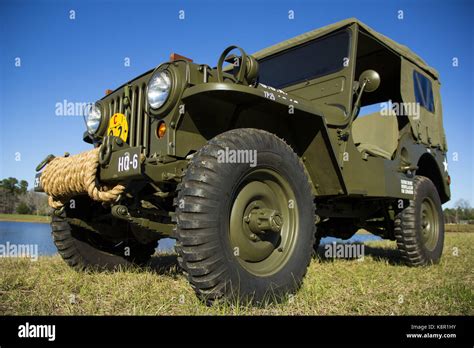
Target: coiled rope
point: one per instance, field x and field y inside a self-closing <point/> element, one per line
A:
<point x="65" y="177"/>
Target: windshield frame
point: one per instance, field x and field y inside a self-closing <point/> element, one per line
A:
<point x="310" y="47"/>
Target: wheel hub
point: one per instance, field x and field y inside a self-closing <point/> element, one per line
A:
<point x="263" y="220"/>
<point x="263" y="223"/>
<point x="429" y="225"/>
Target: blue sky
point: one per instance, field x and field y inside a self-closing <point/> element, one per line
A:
<point x="77" y="60"/>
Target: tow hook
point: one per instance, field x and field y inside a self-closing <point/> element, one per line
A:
<point x="105" y="151"/>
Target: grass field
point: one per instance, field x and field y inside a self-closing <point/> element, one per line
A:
<point x="24" y="218"/>
<point x="378" y="284"/>
<point x="458" y="228"/>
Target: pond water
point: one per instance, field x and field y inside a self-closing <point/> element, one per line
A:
<point x="40" y="235"/>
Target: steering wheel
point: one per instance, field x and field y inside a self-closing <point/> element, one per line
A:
<point x="240" y="76"/>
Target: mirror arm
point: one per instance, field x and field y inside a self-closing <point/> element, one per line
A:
<point x="356" y="108"/>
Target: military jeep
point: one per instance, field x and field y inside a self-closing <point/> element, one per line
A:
<point x="247" y="165"/>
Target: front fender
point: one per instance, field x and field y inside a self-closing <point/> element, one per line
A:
<point x="213" y="108"/>
<point x="241" y="94"/>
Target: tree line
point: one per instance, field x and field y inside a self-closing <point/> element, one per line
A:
<point x="461" y="213"/>
<point x="16" y="198"/>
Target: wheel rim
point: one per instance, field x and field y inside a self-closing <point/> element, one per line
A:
<point x="263" y="222"/>
<point x="429" y="224"/>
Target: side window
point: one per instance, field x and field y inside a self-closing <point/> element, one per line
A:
<point x="423" y="91"/>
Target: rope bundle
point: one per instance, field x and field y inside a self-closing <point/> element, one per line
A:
<point x="65" y="177"/>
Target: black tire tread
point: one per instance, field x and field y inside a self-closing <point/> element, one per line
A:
<point x="198" y="256"/>
<point x="72" y="252"/>
<point x="405" y="229"/>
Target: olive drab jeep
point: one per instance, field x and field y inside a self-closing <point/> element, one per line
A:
<point x="247" y="165"/>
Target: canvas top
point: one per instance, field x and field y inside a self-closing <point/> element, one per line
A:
<point x="402" y="50"/>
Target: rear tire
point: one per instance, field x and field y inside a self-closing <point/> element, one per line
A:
<point x="82" y="249"/>
<point x="419" y="228"/>
<point x="222" y="259"/>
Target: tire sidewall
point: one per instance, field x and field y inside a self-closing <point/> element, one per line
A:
<point x="426" y="189"/>
<point x="290" y="274"/>
<point x="82" y="253"/>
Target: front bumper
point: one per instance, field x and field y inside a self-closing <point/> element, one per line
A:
<point x="122" y="164"/>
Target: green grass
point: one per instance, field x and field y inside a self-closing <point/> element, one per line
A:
<point x="378" y="285"/>
<point x="24" y="218"/>
<point x="458" y="228"/>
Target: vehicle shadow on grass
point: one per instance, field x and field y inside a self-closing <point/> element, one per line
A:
<point x="164" y="265"/>
<point x="160" y="264"/>
<point x="382" y="254"/>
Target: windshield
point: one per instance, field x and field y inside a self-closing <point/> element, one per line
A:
<point x="306" y="62"/>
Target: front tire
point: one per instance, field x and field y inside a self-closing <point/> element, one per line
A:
<point x="419" y="228"/>
<point x="221" y="246"/>
<point x="82" y="249"/>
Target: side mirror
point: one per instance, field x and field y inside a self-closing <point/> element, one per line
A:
<point x="371" y="80"/>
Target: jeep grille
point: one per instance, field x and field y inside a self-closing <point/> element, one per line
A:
<point x="136" y="113"/>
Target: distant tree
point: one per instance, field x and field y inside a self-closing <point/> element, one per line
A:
<point x="23" y="208"/>
<point x="462" y="204"/>
<point x="5" y="202"/>
<point x="10" y="185"/>
<point x="461" y="210"/>
<point x="38" y="202"/>
<point x="23" y="186"/>
<point x="11" y="189"/>
<point x="449" y="216"/>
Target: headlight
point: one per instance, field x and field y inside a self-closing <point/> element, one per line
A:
<point x="159" y="89"/>
<point x="92" y="116"/>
